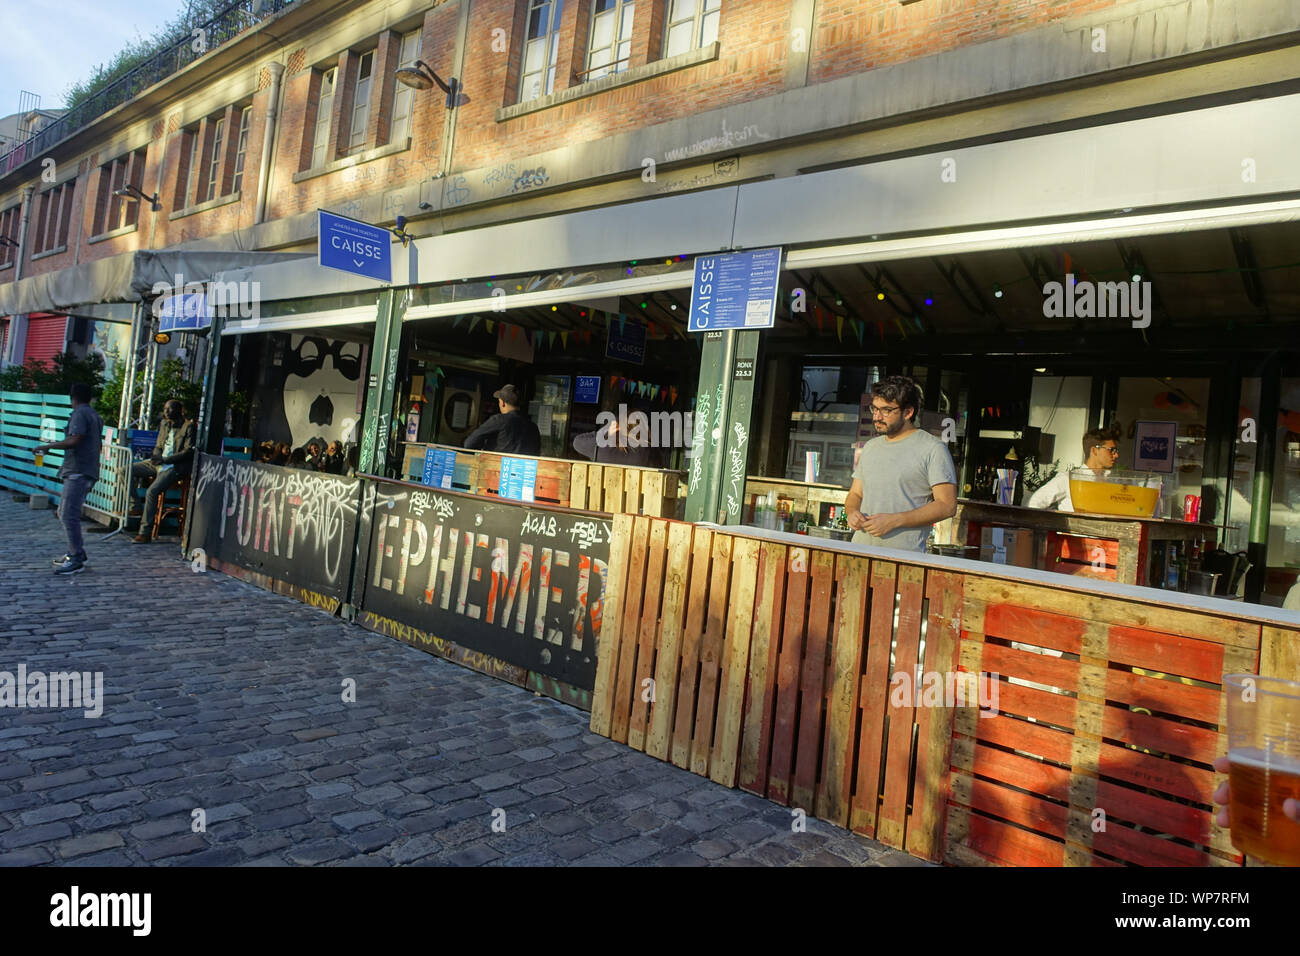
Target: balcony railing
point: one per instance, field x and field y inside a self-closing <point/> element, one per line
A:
<point x="231" y="21"/>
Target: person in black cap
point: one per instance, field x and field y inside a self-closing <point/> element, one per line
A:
<point x="513" y="431"/>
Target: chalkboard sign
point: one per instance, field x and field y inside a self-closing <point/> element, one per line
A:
<point x="294" y="525"/>
<point x="524" y="585"/>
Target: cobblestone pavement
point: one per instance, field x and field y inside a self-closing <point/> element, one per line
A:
<point x="222" y="697"/>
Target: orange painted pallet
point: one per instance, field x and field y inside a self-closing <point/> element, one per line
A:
<point x="787" y="683"/>
<point x="874" y="698"/>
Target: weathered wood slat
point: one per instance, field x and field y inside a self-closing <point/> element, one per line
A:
<point x="735" y="662"/>
<point x="852" y="576"/>
<point x="643" y="686"/>
<point x="711" y="656"/>
<point x="874" y="698"/>
<point x="623" y="685"/>
<point x="791" y="661"/>
<point x="674" y="610"/>
<point x="696" y="615"/>
<point x="812" y="682"/>
<point x="760" y="698"/>
<point x="602" y="695"/>
<point x="890" y="828"/>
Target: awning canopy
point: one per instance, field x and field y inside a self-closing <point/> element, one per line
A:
<point x="128" y="277"/>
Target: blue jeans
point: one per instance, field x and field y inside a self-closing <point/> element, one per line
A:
<point x="166" y="478"/>
<point x="70" y="502"/>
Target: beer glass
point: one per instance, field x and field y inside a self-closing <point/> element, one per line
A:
<point x="1264" y="765"/>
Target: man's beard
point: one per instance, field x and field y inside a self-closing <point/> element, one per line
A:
<point x="889" y="431"/>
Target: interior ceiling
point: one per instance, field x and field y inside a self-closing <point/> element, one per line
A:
<point x="1225" y="280"/>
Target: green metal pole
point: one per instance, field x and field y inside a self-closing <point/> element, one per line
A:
<point x="1261" y="496"/>
<point x="735" y="438"/>
<point x="705" y="471"/>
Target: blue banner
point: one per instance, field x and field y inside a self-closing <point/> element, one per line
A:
<point x="185" y="312"/>
<point x="586" y="389"/>
<point x="735" y="290"/>
<point x="518" y="480"/>
<point x="439" y="467"/>
<point x="356" y="247"/>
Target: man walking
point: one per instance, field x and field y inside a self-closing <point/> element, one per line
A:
<point x="173" y="456"/>
<point x="905" y="480"/>
<point x="513" y="431"/>
<point x="79" y="471"/>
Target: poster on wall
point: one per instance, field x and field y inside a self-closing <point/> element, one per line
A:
<point x="313" y="392"/>
<point x="523" y="585"/>
<point x="296" y="526"/>
<point x="1153" y="446"/>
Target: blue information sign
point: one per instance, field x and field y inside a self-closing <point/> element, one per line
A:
<point x="185" y="312"/>
<point x="626" y="341"/>
<point x="735" y="290"/>
<point x="518" y="479"/>
<point x="355" y="247"/>
<point x="143" y="442"/>
<point x="439" y="467"/>
<point x="586" y="389"/>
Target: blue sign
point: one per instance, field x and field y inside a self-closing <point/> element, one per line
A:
<point x="355" y="247"/>
<point x="626" y="341"/>
<point x="586" y="389"/>
<point x="143" y="442"/>
<point x="185" y="312"/>
<point x="735" y="290"/>
<point x="518" y="480"/>
<point x="439" y="467"/>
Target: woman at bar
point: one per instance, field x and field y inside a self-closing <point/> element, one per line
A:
<point x="1100" y="452"/>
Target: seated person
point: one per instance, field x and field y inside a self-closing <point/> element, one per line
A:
<point x="1100" y="452"/>
<point x="282" y="453"/>
<point x="510" y="431"/>
<point x="612" y="446"/>
<point x="333" y="460"/>
<point x="298" y="459"/>
<point x="266" y="452"/>
<point x="314" y="455"/>
<point x="172" y="459"/>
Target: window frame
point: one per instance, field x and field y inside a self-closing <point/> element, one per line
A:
<point x="324" y="118"/>
<point x="555" y="16"/>
<point x="241" y="149"/>
<point x="404" y="94"/>
<point x="359" y="122"/>
<point x="697" y="18"/>
<point x="53" y="224"/>
<point x="213" y="160"/>
<point x="624" y="12"/>
<point x="9" y="220"/>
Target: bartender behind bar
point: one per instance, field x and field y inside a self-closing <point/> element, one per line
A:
<point x="1100" y="452"/>
<point x="905" y="480"/>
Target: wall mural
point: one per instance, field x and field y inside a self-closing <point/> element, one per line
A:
<point x="297" y="526"/>
<point x="524" y="585"/>
<point x="313" y="391"/>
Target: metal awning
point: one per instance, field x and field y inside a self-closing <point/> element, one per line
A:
<point x="128" y="277"/>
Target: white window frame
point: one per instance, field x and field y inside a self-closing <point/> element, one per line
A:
<point x="404" y="97"/>
<point x="361" y="102"/>
<point x="241" y="152"/>
<point x="617" y="52"/>
<point x="324" y="109"/>
<point x="540" y="81"/>
<point x="703" y="20"/>
<point x="214" y="158"/>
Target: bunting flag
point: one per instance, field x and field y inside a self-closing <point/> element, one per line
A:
<point x="880" y="330"/>
<point x="858" y="326"/>
<point x="901" y="329"/>
<point x="919" y="324"/>
<point x="613" y="381"/>
<point x="552" y="335"/>
<point x="489" y="323"/>
<point x="456" y="321"/>
<point x="514" y="331"/>
<point x="839" y="327"/>
<point x="673" y="392"/>
<point x="564" y="338"/>
<point x="474" y="322"/>
<point x="622" y="324"/>
<point x="438" y="373"/>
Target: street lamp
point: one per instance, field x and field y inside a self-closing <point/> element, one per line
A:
<point x="134" y="193"/>
<point x="421" y="77"/>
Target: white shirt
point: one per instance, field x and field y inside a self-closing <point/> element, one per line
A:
<point x="1054" y="494"/>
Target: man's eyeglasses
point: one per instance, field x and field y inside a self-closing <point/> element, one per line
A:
<point x="878" y="411"/>
<point x="1108" y="448"/>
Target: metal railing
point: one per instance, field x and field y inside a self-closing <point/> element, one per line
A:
<point x="223" y="27"/>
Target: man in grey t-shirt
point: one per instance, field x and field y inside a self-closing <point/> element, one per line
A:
<point x="79" y="471"/>
<point x="905" y="480"/>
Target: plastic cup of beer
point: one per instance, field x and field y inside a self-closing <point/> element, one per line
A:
<point x="40" y="459"/>
<point x="1264" y="765"/>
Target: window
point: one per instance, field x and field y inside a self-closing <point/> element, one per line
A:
<point x="114" y="212"/>
<point x="187" y="176"/>
<point x="214" y="158"/>
<point x="53" y="217"/>
<point x="9" y="229"/>
<point x="324" y="107"/>
<point x="691" y="25"/>
<point x="404" y="99"/>
<point x="245" y="121"/>
<point x="611" y="37"/>
<point x="541" y="47"/>
<point x="361" y="102"/>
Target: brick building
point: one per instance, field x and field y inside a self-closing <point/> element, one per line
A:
<point x="927" y="166"/>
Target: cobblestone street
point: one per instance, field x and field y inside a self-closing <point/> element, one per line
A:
<point x="222" y="697"/>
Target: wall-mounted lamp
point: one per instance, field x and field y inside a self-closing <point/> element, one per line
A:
<point x="421" y="77"/>
<point x="134" y="193"/>
<point x="162" y="338"/>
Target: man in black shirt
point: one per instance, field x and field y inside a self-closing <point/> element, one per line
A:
<point x="513" y="432"/>
<point x="79" y="472"/>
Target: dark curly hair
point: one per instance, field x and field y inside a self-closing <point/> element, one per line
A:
<point x="900" y="390"/>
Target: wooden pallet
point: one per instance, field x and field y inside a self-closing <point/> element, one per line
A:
<point x="1100" y="751"/>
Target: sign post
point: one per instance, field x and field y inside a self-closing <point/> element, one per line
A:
<point x="733" y="295"/>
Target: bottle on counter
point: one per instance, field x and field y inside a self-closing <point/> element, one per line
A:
<point x="1171" y="566"/>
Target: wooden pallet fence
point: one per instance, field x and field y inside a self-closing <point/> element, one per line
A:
<point x="1108" y="718"/>
<point x="767" y="666"/>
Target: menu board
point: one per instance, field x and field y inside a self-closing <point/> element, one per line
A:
<point x="518" y="480"/>
<point x="735" y="291"/>
<point x="439" y="467"/>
